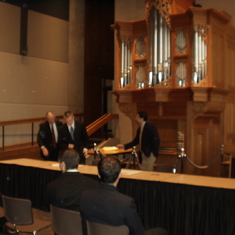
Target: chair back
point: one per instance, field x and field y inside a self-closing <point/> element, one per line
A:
<point x="164" y="168"/>
<point x="17" y="211"/>
<point x="65" y="222"/>
<point x="103" y="229"/>
<point x="95" y="162"/>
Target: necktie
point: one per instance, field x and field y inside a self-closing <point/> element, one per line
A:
<point x="72" y="132"/>
<point x="53" y="136"/>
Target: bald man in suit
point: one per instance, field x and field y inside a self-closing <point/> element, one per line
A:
<point x="47" y="137"/>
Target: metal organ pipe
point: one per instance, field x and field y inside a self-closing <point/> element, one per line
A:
<point x="155" y="46"/>
<point x="165" y="64"/>
<point x="159" y="48"/>
<point x="122" y="66"/>
<point x="195" y="78"/>
<point x="200" y="55"/>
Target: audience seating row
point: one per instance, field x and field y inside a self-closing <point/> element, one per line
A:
<point x="19" y="216"/>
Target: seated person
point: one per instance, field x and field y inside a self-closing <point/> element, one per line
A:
<point x="65" y="191"/>
<point x="105" y="205"/>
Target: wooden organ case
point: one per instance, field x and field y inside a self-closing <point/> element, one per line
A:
<point x="178" y="64"/>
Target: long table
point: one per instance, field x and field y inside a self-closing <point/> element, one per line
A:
<point x="183" y="204"/>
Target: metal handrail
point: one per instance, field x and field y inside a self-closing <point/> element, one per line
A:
<point x="29" y="120"/>
<point x="94" y="126"/>
<point x="91" y="128"/>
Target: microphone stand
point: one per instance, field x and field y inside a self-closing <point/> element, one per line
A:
<point x="180" y="159"/>
<point x="97" y="153"/>
<point x="134" y="157"/>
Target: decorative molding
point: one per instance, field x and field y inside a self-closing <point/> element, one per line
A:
<point x="165" y="83"/>
<point x="127" y="87"/>
<point x="142" y="49"/>
<point x="163" y="6"/>
<point x="202" y="30"/>
<point x="128" y="40"/>
<point x="202" y="83"/>
<point x="199" y="108"/>
<point x="129" y="109"/>
<point x="181" y="41"/>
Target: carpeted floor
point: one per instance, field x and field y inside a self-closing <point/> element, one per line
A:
<point x="37" y="214"/>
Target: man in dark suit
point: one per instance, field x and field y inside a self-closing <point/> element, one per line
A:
<point x="148" y="139"/>
<point x="73" y="135"/>
<point x="105" y="205"/>
<point x="65" y="191"/>
<point x="47" y="137"/>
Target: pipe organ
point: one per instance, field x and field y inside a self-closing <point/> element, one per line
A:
<point x="176" y="64"/>
<point x="199" y="54"/>
<point x="159" y="48"/>
<point x="126" y="62"/>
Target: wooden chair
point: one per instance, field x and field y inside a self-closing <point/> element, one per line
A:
<point x="95" y="162"/>
<point x="164" y="168"/>
<point x="65" y="222"/>
<point x="19" y="216"/>
<point x="103" y="229"/>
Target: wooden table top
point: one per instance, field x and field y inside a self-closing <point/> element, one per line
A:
<point x="111" y="151"/>
<point x="207" y="181"/>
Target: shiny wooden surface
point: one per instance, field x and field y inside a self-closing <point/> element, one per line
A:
<point x="111" y="151"/>
<point x="205" y="181"/>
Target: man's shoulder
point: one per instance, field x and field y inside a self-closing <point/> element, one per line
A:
<point x="78" y="124"/>
<point x="44" y="124"/>
<point x="124" y="197"/>
<point x="88" y="179"/>
<point x="80" y="178"/>
<point x="74" y="176"/>
<point x="58" y="123"/>
<point x="63" y="127"/>
<point x="54" y="183"/>
<point x="108" y="190"/>
<point x="150" y="126"/>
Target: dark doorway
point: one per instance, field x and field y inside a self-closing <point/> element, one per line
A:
<point x="99" y="57"/>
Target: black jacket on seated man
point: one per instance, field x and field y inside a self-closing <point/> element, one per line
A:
<point x="105" y="205"/>
<point x="65" y="191"/>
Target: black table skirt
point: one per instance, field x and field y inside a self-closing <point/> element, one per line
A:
<point x="181" y="209"/>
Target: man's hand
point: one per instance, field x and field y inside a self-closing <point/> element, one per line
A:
<point x="120" y="146"/>
<point x="71" y="146"/>
<point x="85" y="151"/>
<point x="45" y="151"/>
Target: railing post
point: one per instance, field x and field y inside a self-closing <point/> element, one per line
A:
<point x="32" y="132"/>
<point x="3" y="138"/>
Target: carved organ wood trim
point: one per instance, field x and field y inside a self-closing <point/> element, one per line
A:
<point x="178" y="65"/>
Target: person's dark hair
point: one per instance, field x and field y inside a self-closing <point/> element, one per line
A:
<point x="109" y="169"/>
<point x="71" y="158"/>
<point x="143" y="115"/>
<point x="67" y="114"/>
